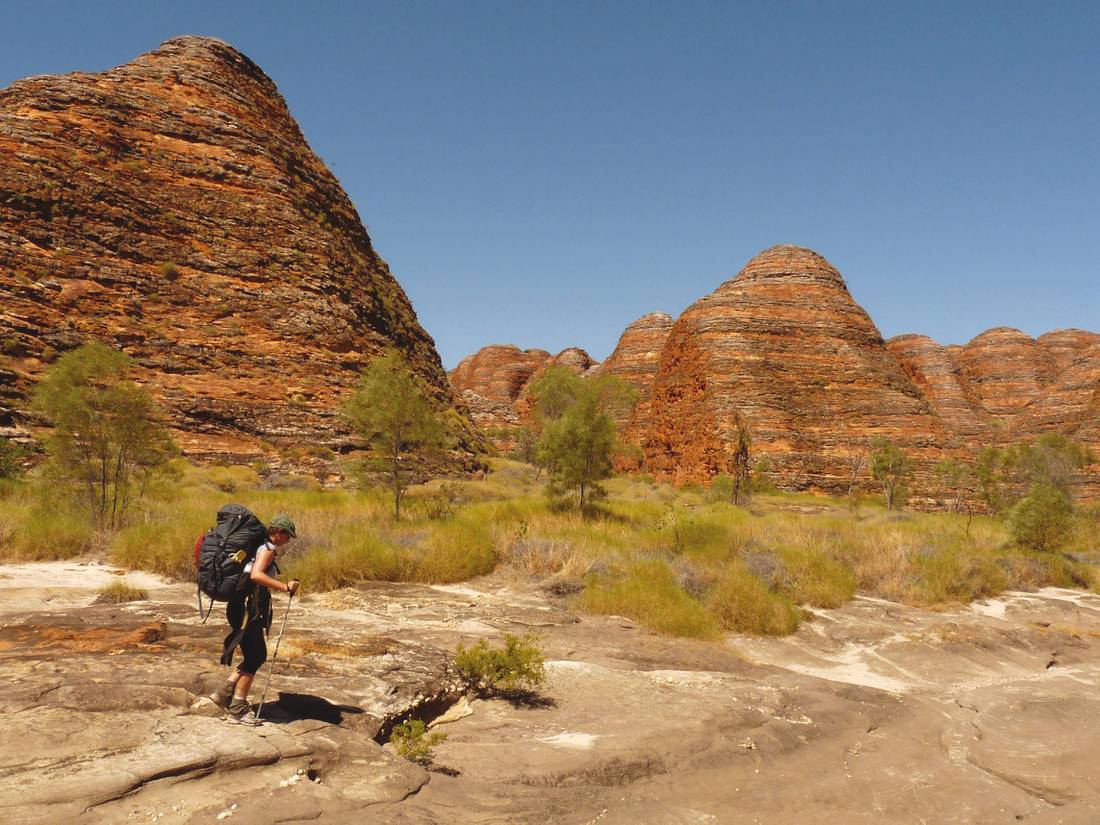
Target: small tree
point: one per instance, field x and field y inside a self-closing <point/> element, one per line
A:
<point x="525" y="449"/>
<point x="855" y="454"/>
<point x="1052" y="459"/>
<point x="578" y="437"/>
<point x="108" y="438"/>
<point x="391" y="410"/>
<point x="951" y="476"/>
<point x="412" y="741"/>
<point x="739" y="460"/>
<point x="519" y="665"/>
<point x="890" y="468"/>
<point x="1044" y="519"/>
<point x="995" y="470"/>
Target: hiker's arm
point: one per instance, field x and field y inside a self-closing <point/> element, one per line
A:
<point x="259" y="573"/>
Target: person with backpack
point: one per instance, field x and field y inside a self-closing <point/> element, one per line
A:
<point x="248" y="611"/>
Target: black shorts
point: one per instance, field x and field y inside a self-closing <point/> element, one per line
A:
<point x="246" y="632"/>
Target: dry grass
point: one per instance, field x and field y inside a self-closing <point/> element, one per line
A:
<point x="33" y="527"/>
<point x="675" y="560"/>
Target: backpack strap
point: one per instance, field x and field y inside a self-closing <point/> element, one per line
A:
<point x="198" y="595"/>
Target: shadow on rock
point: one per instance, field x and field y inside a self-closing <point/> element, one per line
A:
<point x="292" y="706"/>
<point x="519" y="698"/>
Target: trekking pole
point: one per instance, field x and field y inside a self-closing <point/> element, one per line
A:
<point x="274" y="656"/>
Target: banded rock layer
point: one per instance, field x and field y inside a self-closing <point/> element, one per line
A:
<point x="172" y="208"/>
<point x="490" y="381"/>
<point x="493" y="384"/>
<point x="784" y="345"/>
<point x="638" y="353"/>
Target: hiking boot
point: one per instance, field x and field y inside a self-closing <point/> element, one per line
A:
<point x="222" y="697"/>
<point x="240" y="712"/>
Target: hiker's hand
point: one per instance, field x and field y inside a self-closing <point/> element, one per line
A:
<point x="292" y="586"/>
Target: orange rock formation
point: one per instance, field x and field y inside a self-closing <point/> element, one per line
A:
<point x="493" y="384"/>
<point x="784" y="345"/>
<point x="172" y="208"/>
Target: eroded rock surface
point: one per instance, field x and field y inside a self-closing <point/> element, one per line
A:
<point x="172" y="208"/>
<point x="108" y="705"/>
<point x="871" y="713"/>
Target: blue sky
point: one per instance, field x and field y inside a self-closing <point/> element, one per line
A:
<point x="543" y="173"/>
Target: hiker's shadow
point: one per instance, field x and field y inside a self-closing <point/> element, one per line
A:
<point x="290" y="707"/>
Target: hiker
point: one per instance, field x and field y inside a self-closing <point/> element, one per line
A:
<point x="249" y="615"/>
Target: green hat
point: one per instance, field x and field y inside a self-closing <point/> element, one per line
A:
<point x="283" y="522"/>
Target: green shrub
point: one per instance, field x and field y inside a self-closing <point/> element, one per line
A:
<point x="169" y="270"/>
<point x="721" y="489"/>
<point x="11" y="454"/>
<point x="744" y="604"/>
<point x="1044" y="519"/>
<point x="120" y="591"/>
<point x="233" y="478"/>
<point x="649" y="593"/>
<point x="411" y="741"/>
<point x="519" y="665"/>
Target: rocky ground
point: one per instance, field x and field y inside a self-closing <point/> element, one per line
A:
<point x="873" y="713"/>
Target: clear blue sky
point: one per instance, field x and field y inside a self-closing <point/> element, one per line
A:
<point x="542" y="173"/>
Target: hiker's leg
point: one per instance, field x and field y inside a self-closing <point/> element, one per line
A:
<point x="243" y="685"/>
<point x="254" y="648"/>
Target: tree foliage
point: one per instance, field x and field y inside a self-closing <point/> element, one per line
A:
<point x="578" y="432"/>
<point x="391" y="410"/>
<point x="412" y="741"/>
<point x="108" y="438"/>
<point x="951" y="478"/>
<point x="1006" y="474"/>
<point x="1044" y="518"/>
<point x="890" y="468"/>
<point x="526" y="448"/>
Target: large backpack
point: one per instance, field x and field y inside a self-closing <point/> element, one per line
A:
<point x="226" y="550"/>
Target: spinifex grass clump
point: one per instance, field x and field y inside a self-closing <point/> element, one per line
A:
<point x="647" y="590"/>
<point x="35" y="528"/>
<point x="519" y="665"/>
<point x="120" y="591"/>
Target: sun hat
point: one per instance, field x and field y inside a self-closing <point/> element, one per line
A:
<point x="284" y="522"/>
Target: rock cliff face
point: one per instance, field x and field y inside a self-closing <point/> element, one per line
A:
<point x="493" y="384"/>
<point x="638" y="353"/>
<point x="490" y="381"/>
<point x="1007" y="369"/>
<point x="936" y="372"/>
<point x="785" y="345"/>
<point x="1005" y="386"/>
<point x="172" y="208"/>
